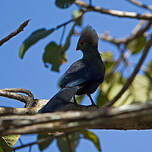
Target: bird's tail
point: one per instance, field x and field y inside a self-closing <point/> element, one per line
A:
<point x="61" y="99"/>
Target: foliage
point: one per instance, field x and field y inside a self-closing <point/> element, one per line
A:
<point x="64" y="3"/>
<point x="32" y="39"/>
<point x="55" y="55"/>
<point x="63" y="144"/>
<point x="136" y="45"/>
<point x="87" y="134"/>
<point x="45" y="144"/>
<point x="7" y="142"/>
<point x="74" y="138"/>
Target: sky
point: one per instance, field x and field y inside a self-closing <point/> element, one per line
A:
<point x="30" y="73"/>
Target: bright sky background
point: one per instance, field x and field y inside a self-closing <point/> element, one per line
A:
<point x="31" y="74"/>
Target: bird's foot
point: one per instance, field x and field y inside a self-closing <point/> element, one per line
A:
<point x="93" y="104"/>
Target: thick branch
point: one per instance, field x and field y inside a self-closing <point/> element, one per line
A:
<point x="20" y="29"/>
<point x="138" y="116"/>
<point x="145" y="16"/>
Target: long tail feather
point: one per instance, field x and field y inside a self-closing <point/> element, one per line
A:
<point x="61" y="99"/>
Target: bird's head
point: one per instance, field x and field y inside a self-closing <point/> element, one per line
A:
<point x="88" y="38"/>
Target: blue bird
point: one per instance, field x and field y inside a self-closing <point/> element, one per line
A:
<point x="83" y="77"/>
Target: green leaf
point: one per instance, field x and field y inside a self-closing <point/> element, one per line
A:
<point x="136" y="45"/>
<point x="87" y="134"/>
<point x="148" y="70"/>
<point x="107" y="56"/>
<point x="53" y="55"/>
<point x="79" y="99"/>
<point x="32" y="39"/>
<point x="1" y="150"/>
<point x="76" y="14"/>
<point x="108" y="60"/>
<point x="4" y="147"/>
<point x="64" y="3"/>
<point x="7" y="142"/>
<point x="101" y="98"/>
<point x="139" y="91"/>
<point x="111" y="88"/>
<point x="45" y="144"/>
<point x="12" y="139"/>
<point x="63" y="144"/>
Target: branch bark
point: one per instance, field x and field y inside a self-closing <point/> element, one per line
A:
<point x="139" y="4"/>
<point x="20" y="29"/>
<point x="137" y="116"/>
<point x="117" y="41"/>
<point x="117" y="13"/>
<point x="12" y="93"/>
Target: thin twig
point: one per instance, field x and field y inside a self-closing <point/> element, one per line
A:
<point x="19" y="90"/>
<point x="123" y="14"/>
<point x="63" y="32"/>
<point x="126" y="40"/>
<point x="20" y="29"/>
<point x="33" y="143"/>
<point x="139" y="33"/>
<point x="123" y="57"/>
<point x="15" y="96"/>
<point x="70" y="21"/>
<point x="138" y="27"/>
<point x="133" y="75"/>
<point x="139" y="4"/>
<point x="43" y="140"/>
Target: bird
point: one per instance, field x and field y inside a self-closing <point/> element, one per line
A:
<point x="83" y="76"/>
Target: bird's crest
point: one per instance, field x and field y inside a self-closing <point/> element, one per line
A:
<point x="90" y="34"/>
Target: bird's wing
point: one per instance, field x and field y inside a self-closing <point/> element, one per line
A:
<point x="77" y="74"/>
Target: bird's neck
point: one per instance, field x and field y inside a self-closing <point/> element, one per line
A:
<point x="91" y="54"/>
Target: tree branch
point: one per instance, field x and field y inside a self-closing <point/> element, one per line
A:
<point x="133" y="75"/>
<point x="117" y="41"/>
<point x="19" y="90"/>
<point x="137" y="116"/>
<point x="12" y="93"/>
<point x="139" y="4"/>
<point x="4" y="111"/>
<point x="70" y="21"/>
<point x="124" y="14"/>
<point x="35" y="142"/>
<point x="20" y="29"/>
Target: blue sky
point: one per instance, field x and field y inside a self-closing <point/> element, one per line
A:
<point x="31" y="74"/>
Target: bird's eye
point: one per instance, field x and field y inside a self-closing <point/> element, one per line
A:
<point x="81" y="42"/>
